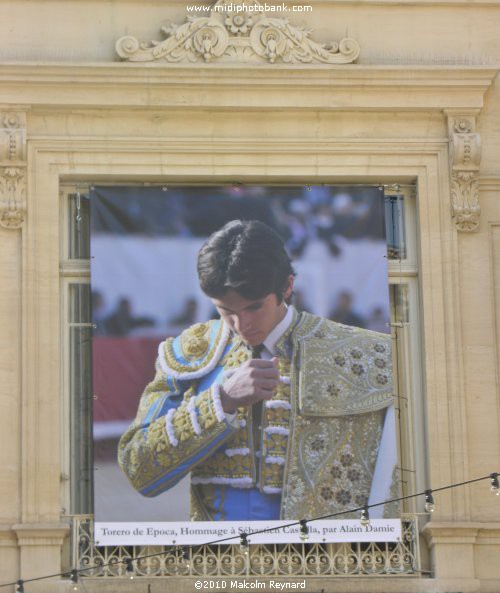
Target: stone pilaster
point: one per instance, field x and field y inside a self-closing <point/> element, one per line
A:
<point x="40" y="551"/>
<point x="465" y="158"/>
<point x="12" y="169"/>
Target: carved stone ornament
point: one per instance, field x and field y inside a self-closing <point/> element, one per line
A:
<point x="12" y="197"/>
<point x="465" y="158"/>
<point x="12" y="137"/>
<point x="245" y="34"/>
<point x="12" y="169"/>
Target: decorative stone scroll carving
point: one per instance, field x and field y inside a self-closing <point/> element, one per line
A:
<point x="237" y="35"/>
<point x="465" y="158"/>
<point x="12" y="169"/>
<point x="12" y="197"/>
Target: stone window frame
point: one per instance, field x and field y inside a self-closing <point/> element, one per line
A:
<point x="402" y="273"/>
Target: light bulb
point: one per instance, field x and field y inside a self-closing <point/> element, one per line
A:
<point x="129" y="568"/>
<point x="185" y="557"/>
<point x="430" y="507"/>
<point x="304" y="530"/>
<point x="365" y="517"/>
<point x="243" y="543"/>
<point x="73" y="579"/>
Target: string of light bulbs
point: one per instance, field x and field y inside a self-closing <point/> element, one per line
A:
<point x="184" y="551"/>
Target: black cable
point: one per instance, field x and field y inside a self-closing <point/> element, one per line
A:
<point x="218" y="541"/>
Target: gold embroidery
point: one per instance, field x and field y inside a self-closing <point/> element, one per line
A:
<point x="278" y="417"/>
<point x="191" y="392"/>
<point x="331" y="464"/>
<point x="274" y="475"/>
<point x="207" y="417"/>
<point x="274" y="444"/>
<point x="323" y="465"/>
<point x="348" y="372"/>
<point x="221" y="466"/>
<point x="194" y="348"/>
<point x="321" y="470"/>
<point x="193" y="344"/>
<point x="237" y="355"/>
<point x="199" y="329"/>
<point x="237" y="466"/>
<point x="147" y="456"/>
<point x="179" y="367"/>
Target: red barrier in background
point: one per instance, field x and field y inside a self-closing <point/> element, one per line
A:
<point x="122" y="367"/>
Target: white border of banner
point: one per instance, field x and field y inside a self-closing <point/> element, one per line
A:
<point x="203" y="532"/>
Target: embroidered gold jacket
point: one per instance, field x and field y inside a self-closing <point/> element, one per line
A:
<point x="320" y="434"/>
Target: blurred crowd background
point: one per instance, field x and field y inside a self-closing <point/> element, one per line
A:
<point x="317" y="222"/>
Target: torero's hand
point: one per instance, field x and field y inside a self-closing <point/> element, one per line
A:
<point x="254" y="381"/>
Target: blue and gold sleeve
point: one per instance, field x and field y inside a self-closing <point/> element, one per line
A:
<point x="175" y="429"/>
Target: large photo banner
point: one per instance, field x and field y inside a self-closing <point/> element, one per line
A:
<point x="170" y="461"/>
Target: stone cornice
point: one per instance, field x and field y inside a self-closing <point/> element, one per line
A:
<point x="489" y="182"/>
<point x="461" y="532"/>
<point x="7" y="535"/>
<point x="153" y="85"/>
<point x="36" y="534"/>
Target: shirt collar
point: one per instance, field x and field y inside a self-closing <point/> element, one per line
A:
<point x="272" y="339"/>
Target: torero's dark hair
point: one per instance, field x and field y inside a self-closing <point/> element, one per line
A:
<point x="246" y="256"/>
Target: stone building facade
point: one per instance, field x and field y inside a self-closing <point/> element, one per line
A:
<point x="376" y="92"/>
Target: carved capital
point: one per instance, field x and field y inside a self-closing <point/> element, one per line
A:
<point x="248" y="33"/>
<point x="12" y="137"/>
<point x="41" y="534"/>
<point x="465" y="158"/>
<point x="12" y="196"/>
<point x="12" y="169"/>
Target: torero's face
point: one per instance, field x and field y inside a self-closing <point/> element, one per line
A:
<point x="252" y="320"/>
